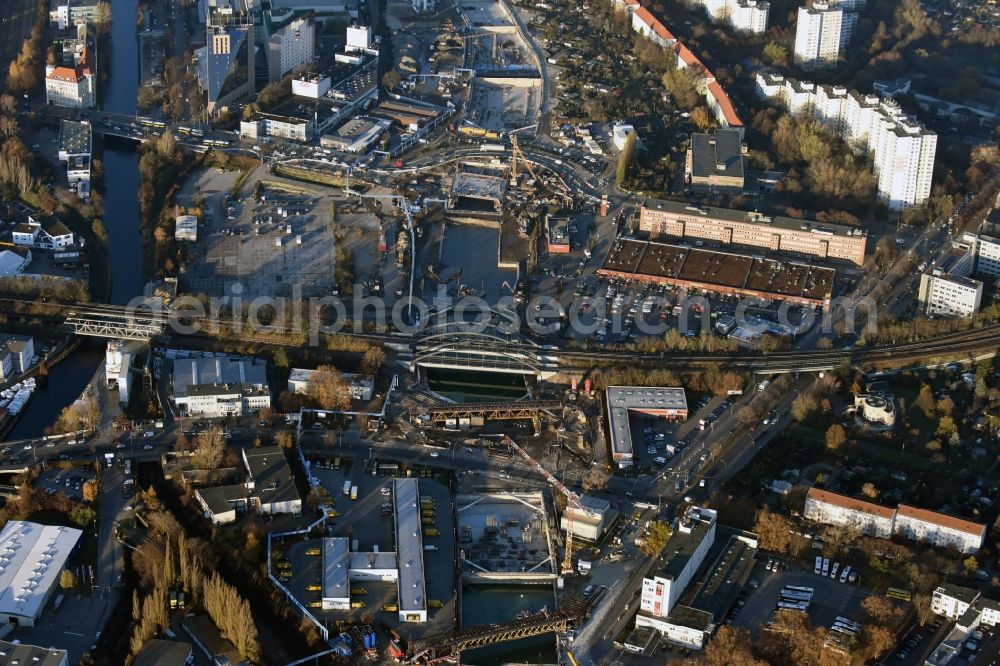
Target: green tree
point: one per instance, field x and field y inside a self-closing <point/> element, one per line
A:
<point x="82" y="515"/>
<point x="775" y="54"/>
<point x="67" y="579"/>
<point x="625" y="159"/>
<point x="971" y="564"/>
<point x="946" y="426"/>
<point x="655" y="539"/>
<point x="281" y="358"/>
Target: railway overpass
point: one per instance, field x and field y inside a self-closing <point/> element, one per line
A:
<point x="491" y="350"/>
<point x="490" y="411"/>
<point x="449" y="646"/>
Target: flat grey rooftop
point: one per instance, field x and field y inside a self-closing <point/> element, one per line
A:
<point x="409" y="545"/>
<point x="720" y="153"/>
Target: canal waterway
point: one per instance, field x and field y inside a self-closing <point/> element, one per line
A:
<point x="492" y="604"/>
<point x="66" y="380"/>
<point x="466" y="386"/>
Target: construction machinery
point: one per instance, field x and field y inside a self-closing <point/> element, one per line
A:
<point x="518" y="154"/>
<point x="571" y="498"/>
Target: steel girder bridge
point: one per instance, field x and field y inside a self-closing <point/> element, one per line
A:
<point x="524" y="410"/>
<point x="447" y="647"/>
<point x="116" y="322"/>
<point x="485" y="350"/>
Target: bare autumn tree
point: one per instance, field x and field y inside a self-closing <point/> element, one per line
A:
<point x="373" y="360"/>
<point x="880" y="610"/>
<point x="874" y="641"/>
<point x="775" y="531"/>
<point x="209" y="449"/>
<point x="730" y="647"/>
<point x="328" y="390"/>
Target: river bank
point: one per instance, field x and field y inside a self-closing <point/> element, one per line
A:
<point x="121" y="276"/>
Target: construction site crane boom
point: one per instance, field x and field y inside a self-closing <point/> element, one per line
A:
<point x="571" y="497"/>
<point x="492" y="35"/>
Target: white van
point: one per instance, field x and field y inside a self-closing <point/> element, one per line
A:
<point x="845" y="574"/>
<point x="826" y="567"/>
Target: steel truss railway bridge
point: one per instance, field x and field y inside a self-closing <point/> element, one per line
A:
<point x="441" y="647"/>
<point x="491" y="350"/>
<point x="491" y="411"/>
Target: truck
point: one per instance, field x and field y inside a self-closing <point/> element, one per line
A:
<point x="354" y="492"/>
<point x="347" y="487"/>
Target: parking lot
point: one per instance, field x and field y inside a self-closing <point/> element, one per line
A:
<point x="267" y="246"/>
<point x="831" y="598"/>
<point x="64" y="480"/>
<point x="369" y="520"/>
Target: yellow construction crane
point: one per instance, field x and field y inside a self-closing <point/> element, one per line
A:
<point x="517" y="153"/>
<point x="571" y="498"/>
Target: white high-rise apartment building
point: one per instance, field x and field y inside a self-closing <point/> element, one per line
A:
<point x="744" y="15"/>
<point x="824" y="30"/>
<point x="818" y="36"/>
<point x="290" y="47"/>
<point x="904" y="158"/>
<point x="902" y="150"/>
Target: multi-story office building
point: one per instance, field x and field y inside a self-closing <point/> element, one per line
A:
<point x="742" y="15"/>
<point x="986" y="245"/>
<point x="291" y="46"/>
<point x="228" y="67"/>
<point x="70" y="12"/>
<point x="716" y="162"/>
<point x="902" y="150"/>
<point x="220" y="386"/>
<point x="72" y="87"/>
<point x="819" y="36"/>
<point x="946" y="288"/>
<point x="727" y="226"/>
<point x="687" y="547"/>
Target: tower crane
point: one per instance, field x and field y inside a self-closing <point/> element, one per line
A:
<point x="571" y="498"/>
<point x="517" y="153"/>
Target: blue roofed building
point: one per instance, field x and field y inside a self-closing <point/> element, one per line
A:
<point x="226" y="66"/>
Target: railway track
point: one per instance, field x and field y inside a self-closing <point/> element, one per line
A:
<point x="950" y="345"/>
